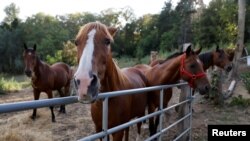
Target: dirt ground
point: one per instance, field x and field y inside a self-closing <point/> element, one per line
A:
<point x="77" y="122"/>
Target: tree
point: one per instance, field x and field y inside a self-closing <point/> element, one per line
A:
<point x="240" y="37"/>
<point x="11" y="12"/>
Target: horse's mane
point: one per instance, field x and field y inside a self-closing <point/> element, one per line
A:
<point x="99" y="27"/>
<point x="171" y="56"/>
<point x="206" y="58"/>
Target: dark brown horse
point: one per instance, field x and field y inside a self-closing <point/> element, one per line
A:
<point x="186" y="66"/>
<point x="45" y="78"/>
<point x="97" y="72"/>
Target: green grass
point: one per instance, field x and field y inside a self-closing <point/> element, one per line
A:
<point x="240" y="101"/>
<point x="126" y="61"/>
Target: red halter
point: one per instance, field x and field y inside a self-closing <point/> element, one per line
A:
<point x="190" y="75"/>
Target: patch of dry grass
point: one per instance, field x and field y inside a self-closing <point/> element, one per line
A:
<point x="21" y="128"/>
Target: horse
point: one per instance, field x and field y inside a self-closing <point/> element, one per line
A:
<point x="182" y="65"/>
<point x="217" y="57"/>
<point x="98" y="72"/>
<point x="45" y="78"/>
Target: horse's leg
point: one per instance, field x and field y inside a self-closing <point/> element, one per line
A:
<point x="157" y="119"/>
<point x="36" y="94"/>
<point x="62" y="107"/>
<point x="51" y="107"/>
<point x="126" y="134"/>
<point x="117" y="136"/>
<point x="138" y="136"/>
<point x="151" y="109"/>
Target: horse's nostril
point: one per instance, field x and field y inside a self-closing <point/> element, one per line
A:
<point x="78" y="81"/>
<point x="94" y="80"/>
<point x="27" y="72"/>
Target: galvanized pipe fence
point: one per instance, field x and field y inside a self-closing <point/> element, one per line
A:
<point x="26" y="105"/>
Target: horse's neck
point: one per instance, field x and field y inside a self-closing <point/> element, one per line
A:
<point x="113" y="79"/>
<point x="167" y="72"/>
<point x="207" y="60"/>
<point x="38" y="74"/>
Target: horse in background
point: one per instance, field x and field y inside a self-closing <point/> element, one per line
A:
<point x="218" y="57"/>
<point x="97" y="72"/>
<point x="186" y="66"/>
<point x="45" y="78"/>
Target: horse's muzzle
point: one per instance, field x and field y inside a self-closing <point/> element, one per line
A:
<point x="92" y="90"/>
<point x="204" y="90"/>
<point x="229" y="68"/>
<point x="28" y="73"/>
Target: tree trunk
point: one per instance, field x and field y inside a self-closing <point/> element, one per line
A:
<point x="240" y="40"/>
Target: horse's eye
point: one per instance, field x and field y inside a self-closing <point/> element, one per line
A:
<point x="107" y="41"/>
<point x="192" y="66"/>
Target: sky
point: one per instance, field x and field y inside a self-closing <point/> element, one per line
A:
<point x="61" y="7"/>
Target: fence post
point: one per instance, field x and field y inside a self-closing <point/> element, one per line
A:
<point x="105" y="118"/>
<point x="183" y="110"/>
<point x="161" y="115"/>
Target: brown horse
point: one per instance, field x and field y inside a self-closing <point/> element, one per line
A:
<point x="217" y="57"/>
<point x="97" y="72"/>
<point x="186" y="66"/>
<point x="45" y="78"/>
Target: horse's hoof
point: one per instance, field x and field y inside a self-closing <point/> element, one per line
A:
<point x="32" y="117"/>
<point x="62" y="111"/>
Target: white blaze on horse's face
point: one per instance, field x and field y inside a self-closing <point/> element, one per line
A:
<point x="85" y="66"/>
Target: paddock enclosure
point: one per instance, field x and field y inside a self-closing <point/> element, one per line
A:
<point x="86" y="119"/>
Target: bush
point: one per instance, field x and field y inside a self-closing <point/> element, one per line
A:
<point x="246" y="80"/>
<point x="240" y="101"/>
<point x="69" y="53"/>
<point x="9" y="85"/>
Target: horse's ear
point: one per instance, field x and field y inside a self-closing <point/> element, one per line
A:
<point x="34" y="47"/>
<point x="25" y="46"/>
<point x="217" y="48"/>
<point x="112" y="31"/>
<point x="189" y="50"/>
<point x="198" y="51"/>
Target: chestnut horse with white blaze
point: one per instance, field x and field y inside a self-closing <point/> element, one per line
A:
<point x="97" y="72"/>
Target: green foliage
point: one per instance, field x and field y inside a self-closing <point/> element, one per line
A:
<point x="9" y="85"/>
<point x="57" y="57"/>
<point x="126" y="61"/>
<point x="11" y="12"/>
<point x="217" y="23"/>
<point x="240" y="101"/>
<point x="69" y="53"/>
<point x="246" y="80"/>
<point x="136" y="37"/>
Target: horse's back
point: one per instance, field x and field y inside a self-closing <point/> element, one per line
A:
<point x="138" y="101"/>
<point x="143" y="68"/>
<point x="155" y="62"/>
<point x="62" y="74"/>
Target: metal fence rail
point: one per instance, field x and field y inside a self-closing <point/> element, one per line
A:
<point x="26" y="105"/>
